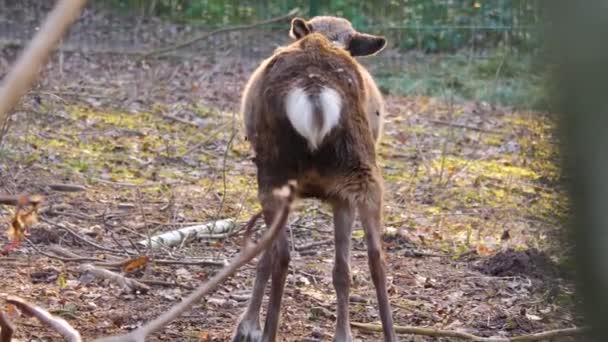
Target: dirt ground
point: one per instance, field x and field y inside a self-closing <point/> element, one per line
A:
<point x="474" y="211"/>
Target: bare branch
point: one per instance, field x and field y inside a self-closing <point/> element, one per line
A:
<point x="313" y="245"/>
<point x="56" y="323"/>
<point x="63" y="187"/>
<point x="22" y="75"/>
<point x="249" y="252"/>
<point x="6" y="328"/>
<point x="206" y="35"/>
<point x="470" y="337"/>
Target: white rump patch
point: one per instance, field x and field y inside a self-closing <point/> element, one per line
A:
<point x="300" y="112"/>
<point x="331" y="104"/>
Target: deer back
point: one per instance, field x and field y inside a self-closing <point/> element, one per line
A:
<point x="305" y="115"/>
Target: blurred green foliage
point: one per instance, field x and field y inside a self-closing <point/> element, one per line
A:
<point x="429" y="25"/>
<point x="502" y="77"/>
<point x="464" y="49"/>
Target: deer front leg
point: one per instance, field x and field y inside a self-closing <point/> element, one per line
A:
<point x="371" y="218"/>
<point x="344" y="216"/>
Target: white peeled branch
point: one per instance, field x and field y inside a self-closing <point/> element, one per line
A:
<point x="211" y="230"/>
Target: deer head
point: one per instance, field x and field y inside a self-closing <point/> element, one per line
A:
<point x="340" y="32"/>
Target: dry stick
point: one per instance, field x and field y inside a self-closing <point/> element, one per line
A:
<point x="190" y="262"/>
<point x="313" y="245"/>
<point x="249" y="252"/>
<point x="22" y="75"/>
<point x="463" y="126"/>
<point x="71" y="257"/>
<point x="56" y="323"/>
<point x="7" y="328"/>
<point x="206" y="35"/>
<point x="20" y="199"/>
<point x="67" y="187"/>
<point x="79" y="237"/>
<point x="60" y="258"/>
<point x="470" y="337"/>
<point x="122" y="281"/>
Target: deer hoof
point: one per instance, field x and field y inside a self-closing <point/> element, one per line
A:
<point x="343" y="335"/>
<point x="247" y="333"/>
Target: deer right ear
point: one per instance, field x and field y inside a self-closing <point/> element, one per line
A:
<point x="299" y="28"/>
<point x="362" y="44"/>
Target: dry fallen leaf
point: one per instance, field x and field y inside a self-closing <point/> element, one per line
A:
<point x="23" y="219"/>
<point x="135" y="264"/>
<point x="204" y="336"/>
<point x="483" y="250"/>
<point x="11" y="311"/>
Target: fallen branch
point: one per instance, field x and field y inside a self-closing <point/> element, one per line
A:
<point x="67" y="187"/>
<point x="21" y="200"/>
<point x="191" y="262"/>
<point x="21" y="76"/>
<point x="206" y="35"/>
<point x="6" y="328"/>
<point x="463" y="126"/>
<point x="470" y="337"/>
<point x="79" y="236"/>
<point x="122" y="281"/>
<point x="249" y="252"/>
<point x="66" y="256"/>
<point x="56" y="323"/>
<point x="313" y="245"/>
<point x="217" y="229"/>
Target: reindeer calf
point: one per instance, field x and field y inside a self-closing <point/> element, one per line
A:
<point x="307" y="118"/>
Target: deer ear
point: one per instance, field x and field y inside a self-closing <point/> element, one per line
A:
<point x="362" y="44"/>
<point x="299" y="28"/>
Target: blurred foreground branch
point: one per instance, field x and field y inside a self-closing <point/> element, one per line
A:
<point x="56" y="323"/>
<point x="22" y="75"/>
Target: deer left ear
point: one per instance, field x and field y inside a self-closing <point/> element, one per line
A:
<point x="362" y="44"/>
<point x="299" y="28"/>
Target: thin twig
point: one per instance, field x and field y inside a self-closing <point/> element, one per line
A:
<point x="144" y="219"/>
<point x="206" y="35"/>
<point x="470" y="337"/>
<point x="67" y="187"/>
<point x="79" y="237"/>
<point x="61" y="258"/>
<point x="463" y="126"/>
<point x="191" y="262"/>
<point x="71" y="257"/>
<point x="313" y="245"/>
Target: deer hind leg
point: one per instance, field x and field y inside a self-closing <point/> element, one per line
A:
<point x="370" y="212"/>
<point x="344" y="216"/>
<point x="280" y="264"/>
<point x="248" y="328"/>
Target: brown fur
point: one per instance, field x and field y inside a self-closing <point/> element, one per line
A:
<point x="340" y="32"/>
<point x="311" y="62"/>
<point x="341" y="171"/>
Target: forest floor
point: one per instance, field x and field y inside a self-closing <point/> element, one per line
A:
<point x="474" y="210"/>
<point x="474" y="214"/>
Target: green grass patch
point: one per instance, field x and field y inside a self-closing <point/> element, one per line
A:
<point x="499" y="77"/>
